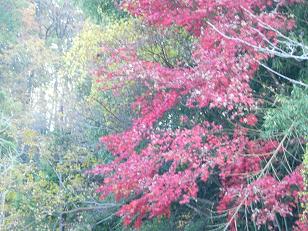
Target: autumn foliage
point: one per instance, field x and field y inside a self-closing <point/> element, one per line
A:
<point x="155" y="165"/>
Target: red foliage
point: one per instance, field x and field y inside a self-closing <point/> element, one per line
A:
<point x="225" y="64"/>
<point x="278" y="197"/>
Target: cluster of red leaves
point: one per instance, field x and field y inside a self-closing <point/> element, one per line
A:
<point x="277" y="197"/>
<point x="167" y="169"/>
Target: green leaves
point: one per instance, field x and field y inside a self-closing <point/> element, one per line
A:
<point x="289" y="111"/>
<point x="10" y="21"/>
<point x="100" y="11"/>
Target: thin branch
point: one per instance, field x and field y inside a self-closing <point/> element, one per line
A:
<point x="85" y="209"/>
<point x="283" y="76"/>
<point x="261" y="174"/>
<point x="258" y="48"/>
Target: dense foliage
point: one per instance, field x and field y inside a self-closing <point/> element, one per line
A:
<point x="153" y="115"/>
<point x="197" y="117"/>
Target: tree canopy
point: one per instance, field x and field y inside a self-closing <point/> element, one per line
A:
<point x="153" y="115"/>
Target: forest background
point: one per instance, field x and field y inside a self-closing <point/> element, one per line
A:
<point x="58" y="97"/>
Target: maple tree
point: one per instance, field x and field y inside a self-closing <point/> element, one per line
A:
<point x="156" y="165"/>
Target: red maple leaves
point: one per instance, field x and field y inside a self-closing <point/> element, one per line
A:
<point x="232" y="39"/>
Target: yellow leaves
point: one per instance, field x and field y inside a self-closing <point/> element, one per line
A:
<point x="77" y="181"/>
<point x="30" y="137"/>
<point x="84" y="49"/>
<point x="123" y="30"/>
<point x="32" y="55"/>
<point x="305" y="175"/>
<point x="183" y="220"/>
<point x="28" y="18"/>
<point x="86" y="45"/>
<point x="86" y="55"/>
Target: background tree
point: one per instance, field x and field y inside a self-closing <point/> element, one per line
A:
<point x="55" y="143"/>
